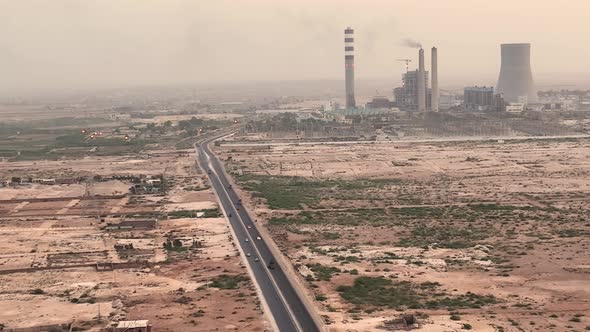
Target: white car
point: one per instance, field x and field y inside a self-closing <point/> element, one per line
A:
<point x="248" y="254"/>
<point x="258" y="238"/>
<point x="247" y="240"/>
<point x="256" y="259"/>
<point x="249" y="226"/>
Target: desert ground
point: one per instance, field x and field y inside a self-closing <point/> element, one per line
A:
<point x="487" y="235"/>
<point x="92" y="252"/>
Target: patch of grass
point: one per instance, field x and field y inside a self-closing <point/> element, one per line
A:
<point x="330" y="236"/>
<point x="208" y="213"/>
<point x="444" y="236"/>
<point x="323" y="273"/>
<point x="572" y="232"/>
<point x="381" y="292"/>
<point x="321" y="297"/>
<point x="352" y="217"/>
<point x="226" y="281"/>
<point x="285" y="192"/>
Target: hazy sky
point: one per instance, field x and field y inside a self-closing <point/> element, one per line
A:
<point x="108" y="43"/>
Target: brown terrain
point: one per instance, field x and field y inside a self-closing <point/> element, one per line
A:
<point x="118" y="236"/>
<point x="483" y="235"/>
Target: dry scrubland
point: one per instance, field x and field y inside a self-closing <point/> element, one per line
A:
<point x="177" y="267"/>
<point x="466" y="235"/>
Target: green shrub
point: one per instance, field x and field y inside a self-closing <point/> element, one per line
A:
<point x="225" y="281"/>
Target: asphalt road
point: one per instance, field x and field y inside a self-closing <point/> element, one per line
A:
<point x="284" y="303"/>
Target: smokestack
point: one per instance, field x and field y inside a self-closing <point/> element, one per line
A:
<point x="349" y="67"/>
<point x="421" y="82"/>
<point x="516" y="77"/>
<point x="434" y="70"/>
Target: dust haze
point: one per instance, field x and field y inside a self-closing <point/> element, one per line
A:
<point x="111" y="43"/>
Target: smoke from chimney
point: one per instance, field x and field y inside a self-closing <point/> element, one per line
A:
<point x="411" y="43"/>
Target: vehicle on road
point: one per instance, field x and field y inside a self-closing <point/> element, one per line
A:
<point x="248" y="254"/>
<point x="258" y="238"/>
<point x="247" y="240"/>
<point x="256" y="259"/>
<point x="249" y="226"/>
<point x="271" y="265"/>
<point x="229" y="187"/>
<point x="229" y="215"/>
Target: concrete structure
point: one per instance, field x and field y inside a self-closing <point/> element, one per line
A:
<point x="516" y="78"/>
<point x="406" y="96"/>
<point x="349" y="67"/>
<point x="434" y="103"/>
<point x="421" y="82"/>
<point x="478" y="98"/>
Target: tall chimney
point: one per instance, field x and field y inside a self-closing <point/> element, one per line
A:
<point x="434" y="70"/>
<point x="349" y="67"/>
<point x="421" y="82"/>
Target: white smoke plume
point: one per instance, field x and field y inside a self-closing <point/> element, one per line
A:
<point x="411" y="43"/>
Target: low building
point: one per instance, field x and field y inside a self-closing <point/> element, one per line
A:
<point x="154" y="182"/>
<point x="515" y="107"/>
<point x="448" y="101"/>
<point x="134" y="326"/>
<point x="44" y="181"/>
<point x="380" y="102"/>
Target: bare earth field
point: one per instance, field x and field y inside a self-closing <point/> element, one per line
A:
<point x="464" y="235"/>
<point x="164" y="256"/>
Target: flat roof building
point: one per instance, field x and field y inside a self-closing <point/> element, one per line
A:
<point x="134" y="326"/>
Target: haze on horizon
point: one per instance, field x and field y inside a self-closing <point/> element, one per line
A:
<point x="49" y="44"/>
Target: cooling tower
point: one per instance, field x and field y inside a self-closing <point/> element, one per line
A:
<point x="349" y="67"/>
<point x="516" y="77"/>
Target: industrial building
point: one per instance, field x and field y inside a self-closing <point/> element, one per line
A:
<point x="516" y="77"/>
<point x="406" y="96"/>
<point x="478" y="98"/>
<point x="414" y="94"/>
<point x="483" y="99"/>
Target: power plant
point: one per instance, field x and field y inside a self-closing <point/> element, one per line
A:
<point x="516" y="78"/>
<point x="415" y="95"/>
<point x="349" y="67"/>
<point x="515" y="84"/>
